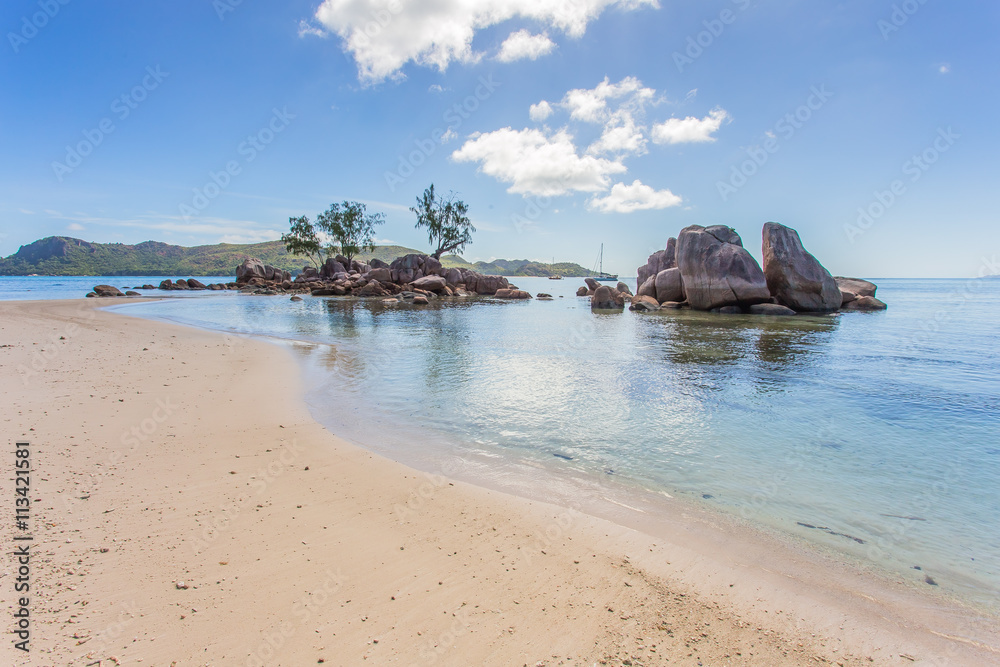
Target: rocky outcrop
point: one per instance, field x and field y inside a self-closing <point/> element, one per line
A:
<point x="647" y="287"/>
<point x="716" y="269"/>
<point x="855" y="286"/>
<point x="581" y="291"/>
<point x="668" y="286"/>
<point x="254" y="268"/>
<point x="660" y="260"/>
<point x="794" y="277"/>
<point x="106" y="291"/>
<point x="195" y="284"/>
<point x="606" y="298"/>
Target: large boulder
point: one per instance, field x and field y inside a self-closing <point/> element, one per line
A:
<point x="660" y="260"/>
<point x="796" y="278"/>
<point x="668" y="286"/>
<point x="453" y="276"/>
<point x="430" y="283"/>
<point x="622" y="287"/>
<point x="377" y="263"/>
<point x="250" y="268"/>
<point x="167" y="284"/>
<point x="644" y="304"/>
<point x="606" y="298"/>
<point x="195" y="284"/>
<point x="107" y="290"/>
<point x="647" y="287"/>
<point x="332" y="267"/>
<point x="582" y="291"/>
<point x="855" y="286"/>
<point x="383" y="275"/>
<point x="592" y="284"/>
<point x="717" y="272"/>
<point x="372" y="288"/>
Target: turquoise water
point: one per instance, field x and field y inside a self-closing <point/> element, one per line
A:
<point x="876" y="435"/>
<point x="71" y="287"/>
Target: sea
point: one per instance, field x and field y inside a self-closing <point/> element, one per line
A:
<point x="873" y="436"/>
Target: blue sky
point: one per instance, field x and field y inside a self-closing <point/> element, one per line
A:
<point x="867" y="126"/>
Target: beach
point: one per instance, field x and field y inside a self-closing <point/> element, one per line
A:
<point x="188" y="510"/>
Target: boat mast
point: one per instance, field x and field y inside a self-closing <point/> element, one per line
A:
<point x="600" y="260"/>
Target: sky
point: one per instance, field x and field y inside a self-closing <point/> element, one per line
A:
<point x="868" y="126"/>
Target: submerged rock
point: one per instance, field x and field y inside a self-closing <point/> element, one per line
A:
<point x="606" y="298"/>
<point x="856" y="286"/>
<point x="107" y="290"/>
<point x="770" y="309"/>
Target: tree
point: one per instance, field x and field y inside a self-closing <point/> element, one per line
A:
<point x="448" y="226"/>
<point x="350" y="227"/>
<point x="303" y="240"/>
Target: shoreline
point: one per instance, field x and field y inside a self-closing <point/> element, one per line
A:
<point x="552" y="595"/>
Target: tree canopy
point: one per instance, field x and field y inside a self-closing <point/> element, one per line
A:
<point x="302" y="239"/>
<point x="350" y="227"/>
<point x="448" y="227"/>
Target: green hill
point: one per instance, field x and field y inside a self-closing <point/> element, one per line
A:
<point x="65" y="256"/>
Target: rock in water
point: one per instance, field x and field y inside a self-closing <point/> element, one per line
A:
<point x="718" y="273"/>
<point x="606" y="298"/>
<point x="582" y="291"/>
<point x="107" y="290"/>
<point x="250" y="268"/>
<point x="195" y="284"/>
<point x="865" y="303"/>
<point x="430" y="283"/>
<point x="622" y="287"/>
<point x="770" y="309"/>
<point x="660" y="260"/>
<point x="668" y="286"/>
<point x="796" y="278"/>
<point x="855" y="286"/>
<point x="644" y="304"/>
<point x="647" y="287"/>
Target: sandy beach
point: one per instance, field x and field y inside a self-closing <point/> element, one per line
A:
<point x="189" y="511"/>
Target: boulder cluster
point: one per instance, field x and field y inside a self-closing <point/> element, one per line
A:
<point x="413" y="277"/>
<point x="707" y="268"/>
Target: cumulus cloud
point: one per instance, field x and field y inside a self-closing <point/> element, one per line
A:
<point x="75" y="227"/>
<point x="636" y="197"/>
<point x="385" y="35"/>
<point x="591" y="104"/>
<point x="621" y="136"/>
<point x="690" y="129"/>
<point x="539" y="112"/>
<point x="536" y="163"/>
<point x="523" y="45"/>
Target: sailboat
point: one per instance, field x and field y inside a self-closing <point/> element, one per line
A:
<point x="554" y="276"/>
<point x="601" y="275"/>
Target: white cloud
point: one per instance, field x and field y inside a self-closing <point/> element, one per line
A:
<point x="591" y="104"/>
<point x="539" y="112"/>
<point x="75" y="227"/>
<point x="536" y="163"/>
<point x="385" y="35"/>
<point x="307" y="29"/>
<point x="621" y="137"/>
<point x="522" y="45"/>
<point x="690" y="129"/>
<point x="436" y="88"/>
<point x="26" y="211"/>
<point x="944" y="68"/>
<point x="636" y="197"/>
<point x="448" y="135"/>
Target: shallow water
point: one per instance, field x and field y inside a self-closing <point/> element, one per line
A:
<point x="877" y="435"/>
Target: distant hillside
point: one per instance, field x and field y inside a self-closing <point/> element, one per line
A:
<point x="65" y="256"/>
<point x="518" y="267"/>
